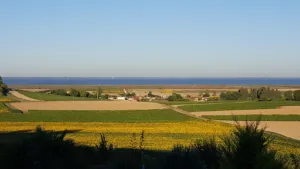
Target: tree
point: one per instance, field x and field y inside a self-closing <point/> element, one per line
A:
<point x="3" y="88"/>
<point x="99" y="92"/>
<point x="243" y="92"/>
<point x="74" y="93"/>
<point x="253" y="94"/>
<point x="206" y="94"/>
<point x="297" y="95"/>
<point x="150" y="94"/>
<point x="84" y="93"/>
<point x="230" y="95"/>
<point x="175" y="97"/>
<point x="288" y="95"/>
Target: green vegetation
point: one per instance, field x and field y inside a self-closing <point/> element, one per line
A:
<point x="184" y="102"/>
<point x="239" y="106"/>
<point x="289" y="95"/>
<point x="247" y="147"/>
<point x="164" y="115"/>
<point x="255" y="117"/>
<point x="3" y="88"/>
<point x="297" y="95"/>
<point x="175" y="97"/>
<point x="2" y="106"/>
<point x="51" y="97"/>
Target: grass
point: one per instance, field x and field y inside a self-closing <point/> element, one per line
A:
<point x="239" y="106"/>
<point x="51" y="97"/>
<point x="2" y="106"/>
<point x="164" y="115"/>
<point x="256" y="117"/>
<point x="186" y="102"/>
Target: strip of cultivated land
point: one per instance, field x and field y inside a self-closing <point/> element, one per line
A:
<point x="51" y="97"/>
<point x="286" y="110"/>
<point x="161" y="115"/>
<point x="251" y="105"/>
<point x="256" y="117"/>
<point x="289" y="129"/>
<point x="86" y="105"/>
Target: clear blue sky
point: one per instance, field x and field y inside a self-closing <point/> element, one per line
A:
<point x="95" y="38"/>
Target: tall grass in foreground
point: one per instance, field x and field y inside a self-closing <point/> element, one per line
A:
<point x="245" y="148"/>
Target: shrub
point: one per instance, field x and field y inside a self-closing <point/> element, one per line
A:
<point x="247" y="148"/>
<point x="175" y="97"/>
<point x="230" y="95"/>
<point x="297" y="95"/>
<point x="288" y="95"/>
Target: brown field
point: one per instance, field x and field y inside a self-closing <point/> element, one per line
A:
<point x="289" y="129"/>
<point x="285" y="110"/>
<point x="86" y="105"/>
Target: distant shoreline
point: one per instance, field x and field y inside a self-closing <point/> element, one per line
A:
<point x="212" y="87"/>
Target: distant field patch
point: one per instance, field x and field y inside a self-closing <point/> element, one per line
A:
<point x="86" y="105"/>
<point x="163" y="115"/>
<point x="239" y="106"/>
<point x="51" y="97"/>
<point x="183" y="102"/>
<point x="256" y="117"/>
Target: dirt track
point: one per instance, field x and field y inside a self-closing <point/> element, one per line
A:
<point x="87" y="105"/>
<point x="289" y="129"/>
<point x="21" y="96"/>
<point x="283" y="110"/>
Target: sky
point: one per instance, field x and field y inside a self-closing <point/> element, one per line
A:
<point x="149" y="38"/>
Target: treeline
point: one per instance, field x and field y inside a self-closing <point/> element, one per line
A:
<point x="3" y="88"/>
<point x="261" y="94"/>
<point x="246" y="148"/>
<point x="79" y="93"/>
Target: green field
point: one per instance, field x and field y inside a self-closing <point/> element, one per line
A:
<point x="184" y="102"/>
<point x="51" y="97"/>
<point x="239" y="106"/>
<point x="256" y="117"/>
<point x="164" y="115"/>
<point x="2" y="106"/>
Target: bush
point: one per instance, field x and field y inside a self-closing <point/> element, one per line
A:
<point x="230" y="95"/>
<point x="175" y="97"/>
<point x="248" y="147"/>
<point x="289" y="95"/>
<point x="74" y="93"/>
<point x="297" y="95"/>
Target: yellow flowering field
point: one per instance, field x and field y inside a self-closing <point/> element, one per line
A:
<point x="158" y="136"/>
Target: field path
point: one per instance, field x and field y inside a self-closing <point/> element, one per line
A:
<point x="285" y="110"/>
<point x="23" y="97"/>
<point x="288" y="129"/>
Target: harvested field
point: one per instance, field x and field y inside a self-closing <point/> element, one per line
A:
<point x="86" y="105"/>
<point x="289" y="129"/>
<point x="286" y="110"/>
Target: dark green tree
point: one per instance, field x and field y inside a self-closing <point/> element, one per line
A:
<point x="244" y="94"/>
<point x="297" y="95"/>
<point x="83" y="93"/>
<point x="289" y="95"/>
<point x="3" y="87"/>
<point x="175" y="97"/>
<point x="74" y="93"/>
<point x="253" y="94"/>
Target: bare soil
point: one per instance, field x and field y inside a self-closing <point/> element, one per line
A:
<point x="289" y="129"/>
<point x="87" y="105"/>
<point x="285" y="110"/>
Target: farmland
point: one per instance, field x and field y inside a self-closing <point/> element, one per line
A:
<point x="252" y="105"/>
<point x="255" y="117"/>
<point x="138" y="116"/>
<point x="87" y="105"/>
<point x="51" y="97"/>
